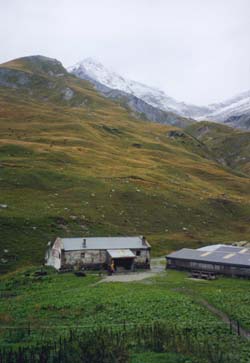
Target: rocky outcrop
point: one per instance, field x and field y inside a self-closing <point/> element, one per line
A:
<point x="13" y="78"/>
<point x="239" y="121"/>
<point x="67" y="93"/>
<point x="147" y="111"/>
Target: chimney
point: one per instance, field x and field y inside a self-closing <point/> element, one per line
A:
<point x="144" y="241"/>
<point x="84" y="243"/>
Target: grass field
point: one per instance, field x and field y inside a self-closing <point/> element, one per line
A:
<point x="162" y="358"/>
<point x="87" y="166"/>
<point x="66" y="300"/>
<point x="36" y="309"/>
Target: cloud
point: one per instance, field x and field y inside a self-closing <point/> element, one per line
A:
<point x="197" y="51"/>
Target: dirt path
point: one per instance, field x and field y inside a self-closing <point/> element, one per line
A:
<point x="157" y="266"/>
<point x="224" y="317"/>
<point x="233" y="324"/>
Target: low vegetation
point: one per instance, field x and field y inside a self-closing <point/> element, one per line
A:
<point x="58" y="316"/>
<point x="230" y="295"/>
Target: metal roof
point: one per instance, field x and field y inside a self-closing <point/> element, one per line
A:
<point x="121" y="253"/>
<point x="232" y="249"/>
<point x="210" y="247"/>
<point x="231" y="256"/>
<point x="103" y="243"/>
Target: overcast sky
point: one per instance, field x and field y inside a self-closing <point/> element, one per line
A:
<point x="195" y="50"/>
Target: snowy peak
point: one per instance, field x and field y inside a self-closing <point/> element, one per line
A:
<point x="238" y="105"/>
<point x="104" y="75"/>
<point x="234" y="112"/>
<point x="89" y="68"/>
<point x="95" y="71"/>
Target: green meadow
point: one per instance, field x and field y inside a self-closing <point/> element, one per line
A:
<point x="151" y="315"/>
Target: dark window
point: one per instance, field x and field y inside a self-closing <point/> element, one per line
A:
<point x="138" y="253"/>
<point x="82" y="254"/>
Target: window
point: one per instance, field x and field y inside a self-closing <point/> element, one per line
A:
<point x="82" y="254"/>
<point x="138" y="253"/>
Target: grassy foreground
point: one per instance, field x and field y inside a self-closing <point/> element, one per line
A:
<point x="35" y="310"/>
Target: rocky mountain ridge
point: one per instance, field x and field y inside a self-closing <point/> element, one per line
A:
<point x="235" y="111"/>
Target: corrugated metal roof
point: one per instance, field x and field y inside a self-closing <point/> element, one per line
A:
<point x="225" y="248"/>
<point x="217" y="256"/>
<point x="210" y="247"/>
<point x="121" y="253"/>
<point x="232" y="249"/>
<point x="103" y="243"/>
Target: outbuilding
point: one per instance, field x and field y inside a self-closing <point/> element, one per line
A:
<point x="218" y="259"/>
<point x="125" y="253"/>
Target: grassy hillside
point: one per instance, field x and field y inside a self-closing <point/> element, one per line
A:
<point x="74" y="163"/>
<point x="230" y="146"/>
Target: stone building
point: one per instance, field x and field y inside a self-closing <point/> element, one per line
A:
<point x="127" y="253"/>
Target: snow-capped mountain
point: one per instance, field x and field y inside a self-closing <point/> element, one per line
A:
<point x="93" y="70"/>
<point x="228" y="111"/>
<point x="234" y="112"/>
<point x="238" y="105"/>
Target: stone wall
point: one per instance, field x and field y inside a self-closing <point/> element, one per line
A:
<point x="143" y="259"/>
<point x="87" y="258"/>
<point x="98" y="259"/>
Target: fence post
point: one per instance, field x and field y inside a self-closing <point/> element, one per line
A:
<point x="238" y="327"/>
